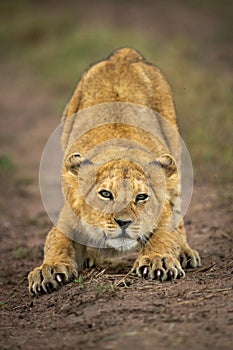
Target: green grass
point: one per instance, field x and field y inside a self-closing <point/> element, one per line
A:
<point x="6" y="163"/>
<point x="21" y="253"/>
<point x="52" y="48"/>
<point x="79" y="279"/>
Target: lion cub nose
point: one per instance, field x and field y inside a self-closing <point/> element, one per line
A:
<point x="123" y="223"/>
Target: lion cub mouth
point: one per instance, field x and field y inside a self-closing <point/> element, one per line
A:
<point x="123" y="234"/>
<point x="121" y="242"/>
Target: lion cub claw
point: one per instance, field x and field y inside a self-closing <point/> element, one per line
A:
<point x="48" y="277"/>
<point x="158" y="267"/>
<point x="166" y="267"/>
<point x="190" y="258"/>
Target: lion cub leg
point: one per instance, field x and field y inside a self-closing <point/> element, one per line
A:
<point x="59" y="265"/>
<point x="165" y="256"/>
<point x="189" y="258"/>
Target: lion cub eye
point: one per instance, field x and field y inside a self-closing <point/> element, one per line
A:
<point x="141" y="197"/>
<point x="106" y="194"/>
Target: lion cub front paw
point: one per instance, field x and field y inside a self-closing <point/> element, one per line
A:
<point x="158" y="267"/>
<point x="48" y="277"/>
<point x="189" y="258"/>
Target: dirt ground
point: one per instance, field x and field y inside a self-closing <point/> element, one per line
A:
<point x="100" y="311"/>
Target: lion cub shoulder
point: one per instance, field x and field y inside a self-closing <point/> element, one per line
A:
<point x="125" y="76"/>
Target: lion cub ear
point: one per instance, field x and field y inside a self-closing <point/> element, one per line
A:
<point x="168" y="164"/>
<point x="73" y="162"/>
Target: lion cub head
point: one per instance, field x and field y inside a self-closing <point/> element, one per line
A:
<point x="118" y="204"/>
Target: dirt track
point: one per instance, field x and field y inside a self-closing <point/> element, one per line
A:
<point x="97" y="312"/>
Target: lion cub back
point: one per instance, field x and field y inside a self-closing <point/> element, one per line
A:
<point x="125" y="76"/>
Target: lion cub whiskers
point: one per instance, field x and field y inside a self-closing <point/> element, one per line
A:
<point x="122" y="207"/>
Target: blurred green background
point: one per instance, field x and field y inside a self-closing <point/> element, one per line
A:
<point x="51" y="43"/>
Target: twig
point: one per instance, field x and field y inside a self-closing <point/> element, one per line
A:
<point x="100" y="273"/>
<point x="228" y="264"/>
<point x="225" y="235"/>
<point x="122" y="280"/>
<point x="204" y="269"/>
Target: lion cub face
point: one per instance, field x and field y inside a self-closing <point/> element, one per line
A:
<point x="118" y="203"/>
<point x="124" y="196"/>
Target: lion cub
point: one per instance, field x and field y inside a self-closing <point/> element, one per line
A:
<point x="120" y="177"/>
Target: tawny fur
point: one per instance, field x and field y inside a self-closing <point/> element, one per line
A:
<point x="125" y="76"/>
